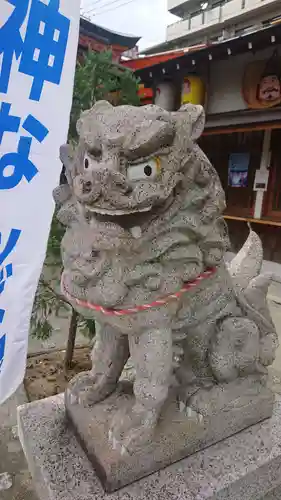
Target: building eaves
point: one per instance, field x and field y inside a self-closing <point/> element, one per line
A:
<point x="106" y="36"/>
<point x="254" y="41"/>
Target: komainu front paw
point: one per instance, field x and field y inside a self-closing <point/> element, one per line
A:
<point x="268" y="346"/>
<point x="131" y="430"/>
<point x="88" y="389"/>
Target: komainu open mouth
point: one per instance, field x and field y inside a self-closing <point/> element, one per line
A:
<point x="126" y="219"/>
<point x="116" y="212"/>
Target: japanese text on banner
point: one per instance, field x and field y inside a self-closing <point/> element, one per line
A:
<point x="34" y="43"/>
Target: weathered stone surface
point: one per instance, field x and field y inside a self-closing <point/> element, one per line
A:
<point x="181" y="432"/>
<point x="15" y="480"/>
<point x="246" y="466"/>
<point x="6" y="481"/>
<point x="143" y="210"/>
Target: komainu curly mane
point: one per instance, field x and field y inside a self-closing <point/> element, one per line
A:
<point x="177" y="213"/>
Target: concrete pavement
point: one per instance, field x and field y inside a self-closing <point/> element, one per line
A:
<point x="15" y="480"/>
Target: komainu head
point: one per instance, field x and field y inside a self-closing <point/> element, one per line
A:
<point x="137" y="165"/>
<point x="134" y="159"/>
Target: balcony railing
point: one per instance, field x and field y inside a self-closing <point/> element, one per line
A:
<point x="220" y="14"/>
<point x="174" y="4"/>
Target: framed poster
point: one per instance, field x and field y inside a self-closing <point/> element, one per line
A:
<point x="238" y="165"/>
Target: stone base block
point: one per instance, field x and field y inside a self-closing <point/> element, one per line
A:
<point x="246" y="466"/>
<point x="221" y="412"/>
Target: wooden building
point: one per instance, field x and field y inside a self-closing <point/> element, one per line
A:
<point x="242" y="138"/>
<point x="100" y="39"/>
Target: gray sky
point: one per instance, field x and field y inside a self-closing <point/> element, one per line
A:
<point x="146" y="18"/>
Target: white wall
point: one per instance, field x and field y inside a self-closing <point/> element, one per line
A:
<point x="226" y="78"/>
<point x="233" y="13"/>
<point x="212" y="16"/>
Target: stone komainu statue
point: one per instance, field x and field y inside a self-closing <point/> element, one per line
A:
<point x="143" y="254"/>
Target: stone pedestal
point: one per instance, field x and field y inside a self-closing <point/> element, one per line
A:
<point x="221" y="412"/>
<point x="246" y="466"/>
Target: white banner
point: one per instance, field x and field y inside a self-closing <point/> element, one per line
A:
<point x="38" y="48"/>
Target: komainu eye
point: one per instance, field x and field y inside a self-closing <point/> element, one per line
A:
<point x="87" y="161"/>
<point x="96" y="153"/>
<point x="147" y="170"/>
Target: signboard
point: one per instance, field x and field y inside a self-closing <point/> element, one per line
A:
<point x="262" y="83"/>
<point x="261" y="180"/>
<point x="38" y="46"/>
<point x="238" y="166"/>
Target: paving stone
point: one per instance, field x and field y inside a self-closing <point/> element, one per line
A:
<point x="6" y="481"/>
<point x="15" y="480"/>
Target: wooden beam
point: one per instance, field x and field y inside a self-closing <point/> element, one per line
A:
<point x="245" y="128"/>
<point x="254" y="221"/>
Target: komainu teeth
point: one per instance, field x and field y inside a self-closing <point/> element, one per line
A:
<point x="182" y="407"/>
<point x="179" y="337"/>
<point x="123" y="450"/>
<point x="190" y="412"/>
<point x="178" y="350"/>
<point x="115" y="443"/>
<point x="136" y="232"/>
<point x="112" y="213"/>
<point x="200" y="417"/>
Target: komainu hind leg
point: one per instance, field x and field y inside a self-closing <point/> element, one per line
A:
<point x="193" y="372"/>
<point x="232" y="358"/>
<point x="194" y="366"/>
<point x="234" y="349"/>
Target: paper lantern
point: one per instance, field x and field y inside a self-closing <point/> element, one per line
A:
<point x="193" y="91"/>
<point x="165" y="96"/>
<point x="145" y="94"/>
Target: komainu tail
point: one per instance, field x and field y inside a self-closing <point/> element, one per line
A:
<point x="247" y="264"/>
<point x="251" y="289"/>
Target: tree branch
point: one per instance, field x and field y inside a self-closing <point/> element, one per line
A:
<point x="58" y="295"/>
